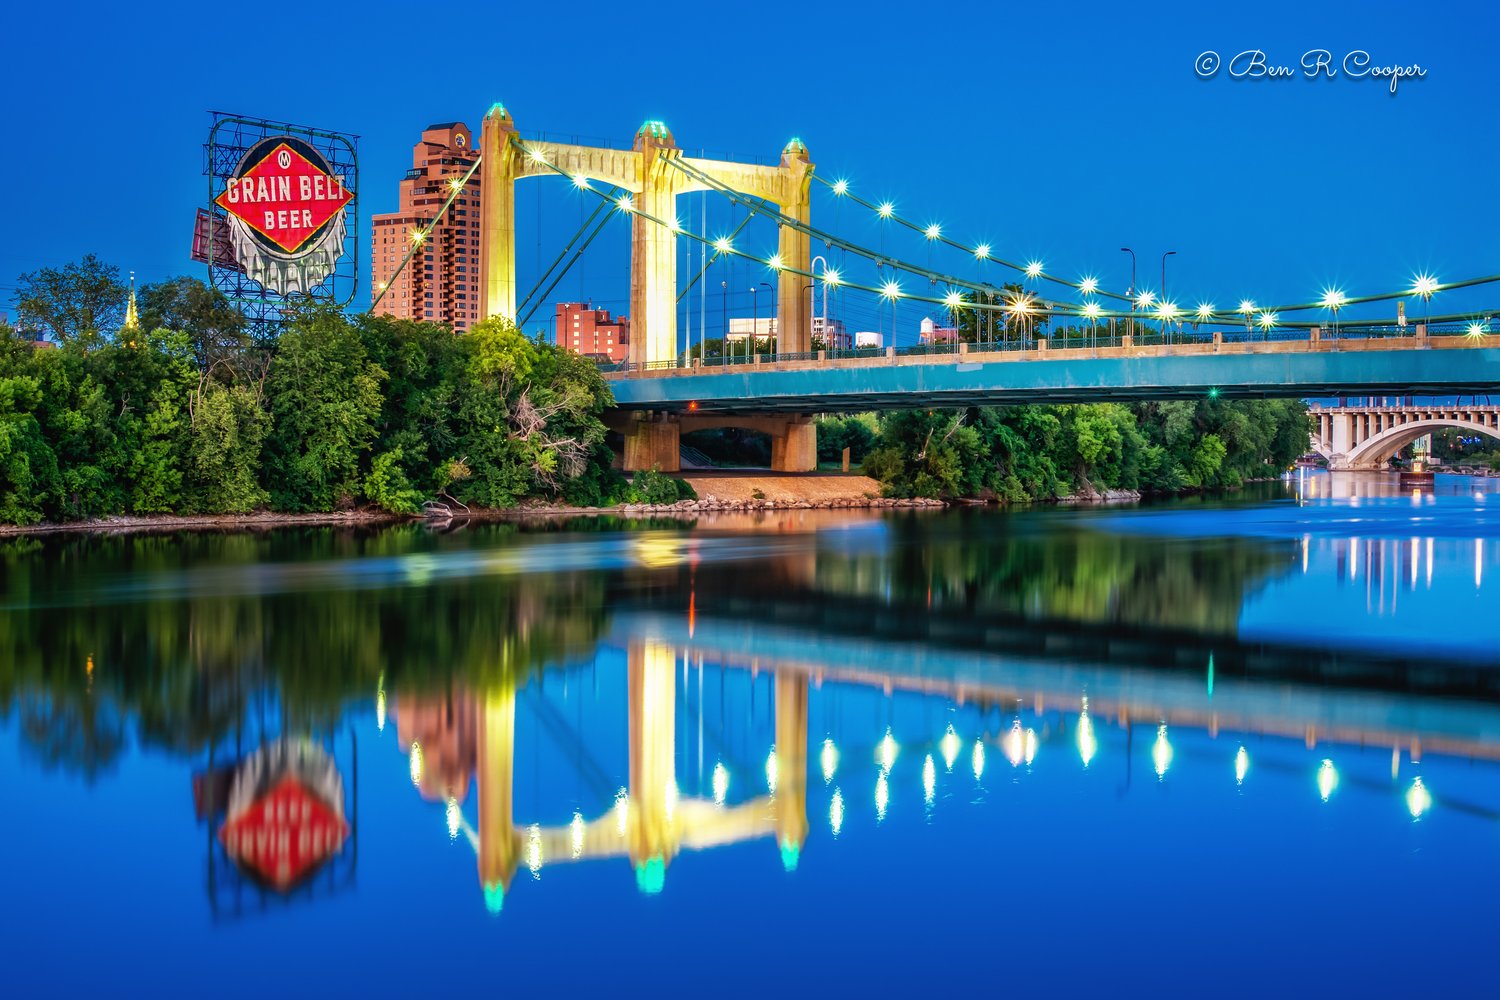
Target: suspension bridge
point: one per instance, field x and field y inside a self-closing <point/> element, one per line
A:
<point x="1021" y="332"/>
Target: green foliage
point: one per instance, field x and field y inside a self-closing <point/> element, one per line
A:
<point x="1026" y="453"/>
<point x="655" y="487"/>
<point x="387" y="486"/>
<point x="82" y="302"/>
<point x="855" y="432"/>
<point x="228" y="429"/>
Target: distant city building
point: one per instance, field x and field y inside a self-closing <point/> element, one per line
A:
<point x="830" y="333"/>
<point x="592" y="332"/>
<point x="931" y="333"/>
<point x="441" y="283"/>
<point x="740" y="328"/>
<point x="866" y="339"/>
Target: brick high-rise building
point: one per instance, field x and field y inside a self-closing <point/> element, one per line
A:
<point x="441" y="283"/>
<point x="591" y="332"/>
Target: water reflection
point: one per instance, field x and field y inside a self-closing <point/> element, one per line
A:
<point x="575" y="735"/>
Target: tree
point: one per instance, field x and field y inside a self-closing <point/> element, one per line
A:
<point x="325" y="395"/>
<point x="215" y="327"/>
<point x="82" y="301"/>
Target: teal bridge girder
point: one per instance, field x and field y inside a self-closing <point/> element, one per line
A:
<point x="977" y="376"/>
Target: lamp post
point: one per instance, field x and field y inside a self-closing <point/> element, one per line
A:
<point x="1164" y="285"/>
<point x="1131" y="291"/>
<point x="755" y="314"/>
<point x="724" y="318"/>
<point x="807" y="290"/>
<point x="814" y="268"/>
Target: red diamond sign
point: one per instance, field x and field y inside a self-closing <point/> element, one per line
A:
<point x="285" y="197"/>
<point x="284" y="834"/>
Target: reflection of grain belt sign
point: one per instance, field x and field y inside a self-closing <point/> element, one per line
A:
<point x="286" y="813"/>
<point x="286" y="214"/>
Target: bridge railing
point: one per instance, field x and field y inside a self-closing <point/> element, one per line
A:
<point x="1143" y="336"/>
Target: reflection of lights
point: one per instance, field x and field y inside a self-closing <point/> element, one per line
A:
<point x="575" y="835"/>
<point x="622" y="811"/>
<point x="1328" y="779"/>
<point x="454" y="817"/>
<point x="415" y="762"/>
<point x="887" y="752"/>
<point x="771" y="771"/>
<point x="534" y="851"/>
<point x="1088" y="744"/>
<point x="929" y="779"/>
<point x="836" y="812"/>
<point x="978" y="759"/>
<point x="882" y="797"/>
<point x="1161" y="751"/>
<point x="1418" y="799"/>
<point x="380" y="709"/>
<point x="1241" y="765"/>
<point x="669" y="799"/>
<point x="721" y="783"/>
<point x="1020" y="744"/>
<point x="950" y="744"/>
<point x="829" y="758"/>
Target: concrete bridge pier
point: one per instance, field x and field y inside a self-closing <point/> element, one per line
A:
<point x="654" y="440"/>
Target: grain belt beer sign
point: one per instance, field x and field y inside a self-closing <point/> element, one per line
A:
<point x="286" y="214"/>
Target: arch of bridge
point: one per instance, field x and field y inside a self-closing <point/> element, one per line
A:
<point x="1379" y="448"/>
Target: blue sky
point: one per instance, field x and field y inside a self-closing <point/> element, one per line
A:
<point x="1059" y="132"/>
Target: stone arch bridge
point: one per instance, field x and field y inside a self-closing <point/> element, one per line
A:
<point x="1366" y="438"/>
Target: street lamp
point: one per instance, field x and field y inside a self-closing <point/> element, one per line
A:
<point x="1131" y="291"/>
<point x="724" y="318"/>
<point x="755" y="313"/>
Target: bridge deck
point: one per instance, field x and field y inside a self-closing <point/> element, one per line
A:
<point x="1260" y="369"/>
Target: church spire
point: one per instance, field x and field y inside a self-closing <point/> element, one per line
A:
<point x="132" y="318"/>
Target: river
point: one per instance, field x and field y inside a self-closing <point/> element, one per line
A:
<point x="1228" y="745"/>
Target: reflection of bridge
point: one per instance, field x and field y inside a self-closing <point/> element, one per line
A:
<point x="1368" y="437"/>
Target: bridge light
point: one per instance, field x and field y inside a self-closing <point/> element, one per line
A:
<point x="1328" y="779"/>
<point x="534" y="154"/>
<point x="626" y="203"/>
<point x="1241" y="765"/>
<point x="414" y="764"/>
<point x="829" y="760"/>
<point x="886" y="209"/>
<point x="949" y="745"/>
<point x="953" y="300"/>
<point x="1247" y="307"/>
<point x="1418" y="799"/>
<point x="982" y="252"/>
<point x="1476" y="329"/>
<point x="575" y="835"/>
<point x="721" y="783"/>
<point x="887" y="751"/>
<point x="831" y="278"/>
<point x="890" y="290"/>
<point x="1161" y="752"/>
<point x="840" y="187"/>
<point x="934" y="231"/>
<point x="1424" y="285"/>
<point x="1088" y="286"/>
<point x="1334" y="299"/>
<point x="675" y="225"/>
<point x="1166" y="310"/>
<point x="1267" y="320"/>
<point x="1091" y="310"/>
<point x="417" y="235"/>
<point x="1205" y="311"/>
<point x="456" y="184"/>
<point x="1213" y="393"/>
<point x="1088" y="743"/>
<point x="1020" y="304"/>
<point x="382" y="288"/>
<point x="775" y="262"/>
<point x="580" y="182"/>
<point x="1145" y="300"/>
<point x="1033" y="269"/>
<point x="723" y="246"/>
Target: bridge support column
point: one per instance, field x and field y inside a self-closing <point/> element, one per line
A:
<point x="497" y="215"/>
<point x="793" y="308"/>
<point x="653" y="253"/>
<point x="795" y="450"/>
<point x="653" y="443"/>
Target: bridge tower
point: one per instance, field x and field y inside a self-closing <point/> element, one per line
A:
<point x="647" y="173"/>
